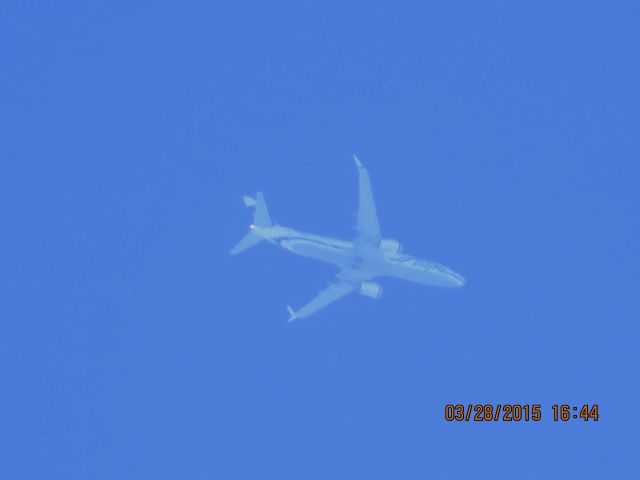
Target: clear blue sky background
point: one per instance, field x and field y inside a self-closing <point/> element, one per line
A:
<point x="502" y="139"/>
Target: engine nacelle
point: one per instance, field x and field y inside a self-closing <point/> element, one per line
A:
<point x="390" y="246"/>
<point x="370" y="289"/>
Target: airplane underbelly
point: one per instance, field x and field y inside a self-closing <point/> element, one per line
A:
<point x="318" y="251"/>
<point x="433" y="278"/>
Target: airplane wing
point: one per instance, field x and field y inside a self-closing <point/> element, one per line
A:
<point x="329" y="295"/>
<point x="368" y="226"/>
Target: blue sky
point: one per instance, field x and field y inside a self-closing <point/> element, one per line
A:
<point x="502" y="140"/>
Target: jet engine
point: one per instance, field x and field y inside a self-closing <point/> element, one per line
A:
<point x="390" y="246"/>
<point x="371" y="289"/>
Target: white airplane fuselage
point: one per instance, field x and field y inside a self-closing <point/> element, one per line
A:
<point x="367" y="256"/>
<point x="361" y="261"/>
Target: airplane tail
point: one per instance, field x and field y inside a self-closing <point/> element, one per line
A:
<point x="261" y="218"/>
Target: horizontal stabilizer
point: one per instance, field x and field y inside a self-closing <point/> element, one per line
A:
<point x="261" y="216"/>
<point x="248" y="241"/>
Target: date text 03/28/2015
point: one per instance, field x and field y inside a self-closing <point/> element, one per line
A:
<point x="514" y="412"/>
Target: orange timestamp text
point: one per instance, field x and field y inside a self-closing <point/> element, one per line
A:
<point x="515" y="412"/>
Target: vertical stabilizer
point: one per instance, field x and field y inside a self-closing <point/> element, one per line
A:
<point x="261" y="219"/>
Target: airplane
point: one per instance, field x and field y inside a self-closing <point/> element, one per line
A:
<point x="359" y="261"/>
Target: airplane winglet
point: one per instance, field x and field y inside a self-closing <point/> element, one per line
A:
<point x="358" y="164"/>
<point x="292" y="313"/>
